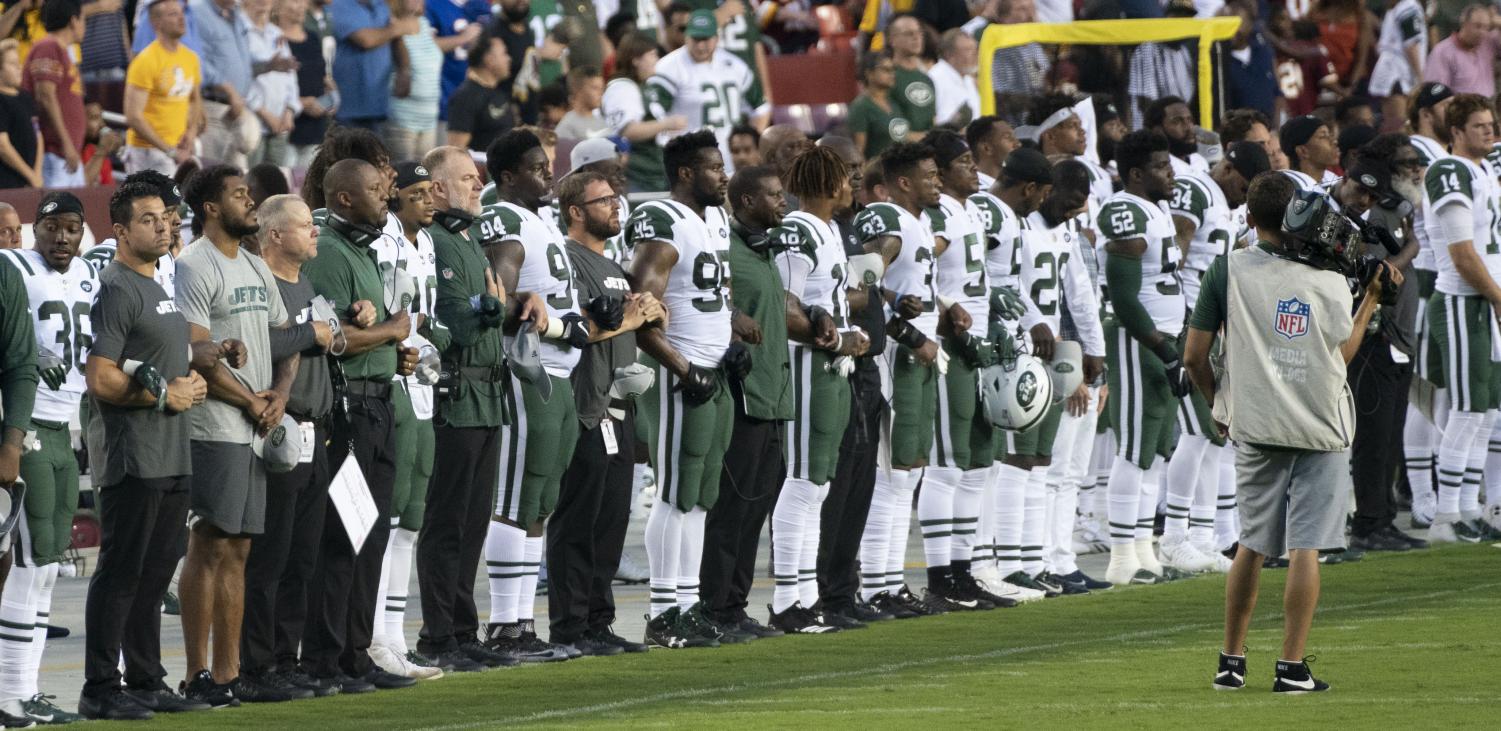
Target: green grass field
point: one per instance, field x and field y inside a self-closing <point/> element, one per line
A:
<point x="1405" y="641"/>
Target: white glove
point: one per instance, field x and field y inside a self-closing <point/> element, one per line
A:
<point x="943" y="362"/>
<point x="844" y="365"/>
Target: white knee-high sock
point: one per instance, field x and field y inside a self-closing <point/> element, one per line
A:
<point x="1052" y="487"/>
<point x="1009" y="501"/>
<point x="1227" y="515"/>
<point x="1151" y="492"/>
<point x="526" y="600"/>
<point x="43" y="617"/>
<point x="396" y="577"/>
<point x="1124" y="495"/>
<point x="1454" y="451"/>
<point x="903" y="483"/>
<point x="664" y="536"/>
<point x="1492" y="469"/>
<point x="1419" y="442"/>
<point x="690" y="556"/>
<point x="935" y="513"/>
<point x="788" y="521"/>
<point x="1062" y="510"/>
<point x="378" y="630"/>
<point x="1182" y="482"/>
<point x="505" y="560"/>
<point x="1034" y="520"/>
<point x="877" y="537"/>
<point x="1206" y="498"/>
<point x="807" y="570"/>
<point x="18" y="621"/>
<point x="982" y="552"/>
<point x="967" y="501"/>
<point x="1469" y="491"/>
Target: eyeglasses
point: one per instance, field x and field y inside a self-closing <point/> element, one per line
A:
<point x="610" y="200"/>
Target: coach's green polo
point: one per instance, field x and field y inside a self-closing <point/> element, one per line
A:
<point x="345" y="273"/>
<point x="18" y="376"/>
<point x="756" y="289"/>
<point x="461" y="277"/>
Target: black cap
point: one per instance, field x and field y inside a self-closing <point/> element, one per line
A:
<point x="1299" y="130"/>
<point x="58" y="203"/>
<point x="1351" y="138"/>
<point x="947" y="148"/>
<point x="410" y="173"/>
<point x="1248" y="158"/>
<point x="1431" y="94"/>
<point x="1105" y="112"/>
<point x="1372" y="176"/>
<point x="1027" y="165"/>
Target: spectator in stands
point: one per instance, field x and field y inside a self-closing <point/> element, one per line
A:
<point x="52" y="79"/>
<point x="745" y="146"/>
<point x="364" y="30"/>
<point x="273" y="94"/>
<point x="20" y="142"/>
<point x="990" y="140"/>
<point x="315" y="92"/>
<point x="1056" y="11"/>
<point x="954" y="83"/>
<point x="1466" y="61"/>
<point x="624" y="108"/>
<point x="512" y="28"/>
<point x="416" y="88"/>
<point x="481" y="109"/>
<point x="105" y="52"/>
<point x="1248" y="66"/>
<point x="1402" y="46"/>
<point x="875" y="120"/>
<point x="100" y="143"/>
<point x="144" y="34"/>
<point x="586" y="88"/>
<point x="458" y="24"/>
<point x="792" y="24"/>
<point x="1303" y="66"/>
<point x="912" y="89"/>
<point x="1018" y="73"/>
<point x="162" y="95"/>
<point x="265" y="180"/>
<point x="1347" y="31"/>
<point x="10" y="220"/>
<point x="1354" y="111"/>
<point x="232" y="131"/>
<point x="674" y="26"/>
<point x="1162" y="69"/>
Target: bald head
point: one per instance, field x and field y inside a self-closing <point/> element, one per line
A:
<point x="845" y="148"/>
<point x="781" y="144"/>
<point x="356" y="191"/>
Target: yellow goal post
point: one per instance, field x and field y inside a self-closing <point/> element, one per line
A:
<point x="1111" y="33"/>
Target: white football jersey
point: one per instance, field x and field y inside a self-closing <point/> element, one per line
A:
<point x="911" y="272"/>
<point x="1003" y="231"/>
<point x="697" y="295"/>
<point x="418" y="262"/>
<point x="546" y="271"/>
<point x="1403" y="25"/>
<point x="710" y="94"/>
<point x="1198" y="198"/>
<point x="1429" y="150"/>
<point x="1453" y="180"/>
<point x="1126" y="216"/>
<point x="961" y="269"/>
<point x="103" y="253"/>
<point x="803" y="236"/>
<point x="60" y="306"/>
<point x="1054" y="278"/>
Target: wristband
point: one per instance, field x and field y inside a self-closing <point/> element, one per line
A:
<point x="908" y="335"/>
<point x="555" y="328"/>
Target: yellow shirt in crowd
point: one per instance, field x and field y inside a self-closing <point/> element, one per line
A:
<point x="169" y="78"/>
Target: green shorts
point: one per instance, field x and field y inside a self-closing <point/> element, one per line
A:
<point x="535" y="450"/>
<point x="1195" y="419"/>
<point x="687" y="442"/>
<point x="822" y="400"/>
<point x="1037" y="441"/>
<point x="1142" y="408"/>
<point x="1459" y="332"/>
<point x="414" y="461"/>
<point x="914" y="406"/>
<point x="961" y="436"/>
<point x="51" y="474"/>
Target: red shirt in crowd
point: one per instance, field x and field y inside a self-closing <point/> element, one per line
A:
<point x="49" y="61"/>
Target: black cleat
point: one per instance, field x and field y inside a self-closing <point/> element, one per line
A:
<point x="698" y="622"/>
<point x="867" y="613"/>
<point x="836" y="618"/>
<point x="113" y="705"/>
<point x="488" y="656"/>
<point x="449" y="661"/>
<point x="754" y="626"/>
<point x="796" y="620"/>
<point x="609" y="637"/>
<point x="352" y="686"/>
<point x="321" y="687"/>
<point x="886" y="603"/>
<point x="267" y="688"/>
<point x="910" y="600"/>
<point x="590" y="646"/>
<point x="1294" y="678"/>
<point x="1394" y="532"/>
<point x="1085" y="580"/>
<point x="936" y="603"/>
<point x="1022" y="579"/>
<point x="383" y="680"/>
<point x="667" y="630"/>
<point x="1066" y="588"/>
<point x="203" y="688"/>
<point x="1232" y="672"/>
<point x="162" y="699"/>
<point x="1379" y="541"/>
<point x="967" y="586"/>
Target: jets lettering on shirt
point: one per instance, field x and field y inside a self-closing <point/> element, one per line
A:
<point x="60" y="306"/>
<point x="1126" y="216"/>
<point x="961" y="268"/>
<point x="546" y="270"/>
<point x="911" y="272"/>
<point x="697" y="291"/>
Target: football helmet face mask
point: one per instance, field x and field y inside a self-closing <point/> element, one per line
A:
<point x="1016" y="392"/>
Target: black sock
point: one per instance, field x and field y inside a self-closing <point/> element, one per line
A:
<point x="938" y="577"/>
<point x="959" y="569"/>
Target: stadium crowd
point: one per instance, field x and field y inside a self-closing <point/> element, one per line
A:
<point x="434" y="354"/>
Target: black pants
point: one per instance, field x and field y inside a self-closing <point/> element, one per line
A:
<point x="844" y="510"/>
<point x="460" y="501"/>
<point x="748" y="487"/>
<point x="586" y="532"/>
<point x="346" y="585"/>
<point x="282" y="560"/>
<point x="143" y="529"/>
<point x="1380" y="389"/>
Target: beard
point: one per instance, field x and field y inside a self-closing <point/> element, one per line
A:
<point x="517" y="14"/>
<point x="1183" y="148"/>
<point x="607" y="228"/>
<point x="241" y="228"/>
<point x="1410" y="191"/>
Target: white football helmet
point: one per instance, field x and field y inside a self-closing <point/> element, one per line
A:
<point x="1016" y="392"/>
<point x="401" y="289"/>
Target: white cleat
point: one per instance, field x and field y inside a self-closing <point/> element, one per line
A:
<point x="388" y="660"/>
<point x="1146" y="557"/>
<point x="1005" y="589"/>
<point x="1221" y="564"/>
<point x="1123" y="564"/>
<point x="1183" y="555"/>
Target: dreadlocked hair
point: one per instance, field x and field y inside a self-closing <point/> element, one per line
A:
<point x="341" y="143"/>
<point x="817" y="173"/>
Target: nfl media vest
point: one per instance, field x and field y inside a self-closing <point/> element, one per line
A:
<point x="1285" y="322"/>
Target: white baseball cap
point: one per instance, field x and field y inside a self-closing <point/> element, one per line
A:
<point x="591" y="151"/>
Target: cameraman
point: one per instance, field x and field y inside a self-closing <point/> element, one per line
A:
<point x="1288" y="336"/>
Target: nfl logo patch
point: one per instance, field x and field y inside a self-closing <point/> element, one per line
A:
<point x="1292" y="318"/>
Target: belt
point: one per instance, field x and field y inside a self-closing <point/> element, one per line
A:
<point x="619" y="407"/>
<point x="485" y="374"/>
<point x="318" y="422"/>
<point x="369" y="388"/>
<point x="53" y="425"/>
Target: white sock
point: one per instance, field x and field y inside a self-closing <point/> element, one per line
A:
<point x="1226" y="516"/>
<point x="664" y="533"/>
<point x="788" y="521"/>
<point x="876" y="538"/>
<point x="903" y="483"/>
<point x="396" y="577"/>
<point x="1062" y="510"/>
<point x="1469" y="491"/>
<point x="1034" y="520"/>
<point x="1052" y="486"/>
<point x="1460" y="434"/>
<point x="505" y="559"/>
<point x="1419" y="440"/>
<point x="1206" y="498"/>
<point x="1123" y="493"/>
<point x="807" y="570"/>
<point x="690" y="555"/>
<point x="18" y="613"/>
<point x="1151" y="491"/>
<point x="1182" y="482"/>
<point x="43" y="618"/>
<point x="1009" y="503"/>
<point x="935" y="513"/>
<point x="967" y="501"/>
<point x="983" y="550"/>
<point x="526" y="601"/>
<point x="1492" y="472"/>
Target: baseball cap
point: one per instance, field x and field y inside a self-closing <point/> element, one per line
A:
<point x="58" y="203"/>
<point x="1371" y="176"/>
<point x="410" y="173"/>
<point x="1029" y="165"/>
<point x="524" y="355"/>
<point x="280" y="448"/>
<point x="590" y="151"/>
<point x="1299" y="130"/>
<point x="701" y="24"/>
<point x="1248" y="158"/>
<point x="1431" y="94"/>
<point x="1351" y="138"/>
<point x="1105" y="112"/>
<point x="1179" y="9"/>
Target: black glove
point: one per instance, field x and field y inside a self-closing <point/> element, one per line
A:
<point x="737" y="361"/>
<point x="491" y="309"/>
<point x="1177" y="380"/>
<point x="698" y="385"/>
<point x="575" y="330"/>
<point x="606" y="311"/>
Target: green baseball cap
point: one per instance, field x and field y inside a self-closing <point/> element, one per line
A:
<point x="701" y="24"/>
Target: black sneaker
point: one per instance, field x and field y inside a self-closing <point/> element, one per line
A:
<point x="837" y="618"/>
<point x="55" y="632"/>
<point x="588" y="646"/>
<point x="1066" y="588"/>
<point x="911" y="602"/>
<point x="936" y="604"/>
<point x="1379" y="541"/>
<point x="349" y="685"/>
<point x="608" y="636"/>
<point x="112" y="705"/>
<point x="450" y="661"/>
<point x="1341" y="555"/>
<point x="761" y="631"/>
<point x="886" y="603"/>
<point x="1232" y="672"/>
<point x="968" y="586"/>
<point x="1022" y="579"/>
<point x="203" y="688"/>
<point x="867" y="613"/>
<point x="1085" y="580"/>
<point x="267" y="688"/>
<point x="19" y="719"/>
<point x="321" y="687"/>
<point x="1294" y="678"/>
<point x="730" y="632"/>
<point x="42" y="710"/>
<point x="162" y="699"/>
<point x="795" y="620"/>
<point x="697" y="621"/>
<point x="1274" y="562"/>
<point x="490" y="657"/>
<point x="535" y="644"/>
<point x="383" y="680"/>
<point x="1412" y="541"/>
<point x="667" y="630"/>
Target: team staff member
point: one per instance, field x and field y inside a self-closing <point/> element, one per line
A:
<point x="586" y="533"/>
<point x="61" y="289"/>
<point x="1292" y="462"/>
<point x="341" y="610"/>
<point x="283" y="555"/>
<point x="143" y="469"/>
